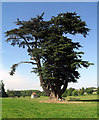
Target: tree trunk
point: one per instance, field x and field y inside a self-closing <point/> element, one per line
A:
<point x="41" y="78"/>
<point x="43" y="86"/>
<point x="53" y="94"/>
<point x="57" y="94"/>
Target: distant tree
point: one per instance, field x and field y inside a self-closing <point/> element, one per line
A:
<point x="56" y="56"/>
<point x="64" y="94"/>
<point x="83" y="88"/>
<point x="43" y="93"/>
<point x="75" y="93"/>
<point x="69" y="92"/>
<point x="18" y="94"/>
<point x="2" y="90"/>
<point x="81" y="92"/>
<point x="11" y="95"/>
<point x="14" y="92"/>
<point x="8" y="92"/>
<point x="98" y="91"/>
<point x="29" y="93"/>
<point x="26" y="93"/>
<point x="22" y="93"/>
<point x="89" y="90"/>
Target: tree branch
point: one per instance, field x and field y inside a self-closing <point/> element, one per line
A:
<point x="25" y="41"/>
<point x="27" y="62"/>
<point x="13" y="68"/>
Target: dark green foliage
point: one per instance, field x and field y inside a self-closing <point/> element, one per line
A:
<point x="18" y="94"/>
<point x="65" y="93"/>
<point x="69" y="92"/>
<point x="43" y="93"/>
<point x="24" y="93"/>
<point x="81" y="92"/>
<point x="89" y="90"/>
<point x="2" y="90"/>
<point x="98" y="91"/>
<point x="13" y="69"/>
<point x="57" y="57"/>
<point x="75" y="93"/>
<point x="11" y="95"/>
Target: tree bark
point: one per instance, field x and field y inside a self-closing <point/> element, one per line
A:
<point x="56" y="94"/>
<point x="43" y="85"/>
<point x="41" y="78"/>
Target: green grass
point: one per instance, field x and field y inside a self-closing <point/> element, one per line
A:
<point x="85" y="97"/>
<point x="31" y="108"/>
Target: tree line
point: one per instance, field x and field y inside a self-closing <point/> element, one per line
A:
<point x="25" y="93"/>
<point x="68" y="92"/>
<point x="82" y="91"/>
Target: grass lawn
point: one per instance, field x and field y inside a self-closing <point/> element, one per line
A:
<point x="32" y="108"/>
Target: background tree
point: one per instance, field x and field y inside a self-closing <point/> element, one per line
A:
<point x="11" y="95"/>
<point x="69" y="92"/>
<point x="98" y="91"/>
<point x="89" y="90"/>
<point x="81" y="92"/>
<point x="2" y="90"/>
<point x="56" y="56"/>
<point x="43" y="93"/>
<point x="75" y="93"/>
<point x="65" y="93"/>
<point x="17" y="93"/>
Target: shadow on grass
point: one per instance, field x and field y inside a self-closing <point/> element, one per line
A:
<point x="93" y="100"/>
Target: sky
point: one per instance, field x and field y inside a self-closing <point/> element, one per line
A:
<point x="49" y="0"/>
<point x="24" y="79"/>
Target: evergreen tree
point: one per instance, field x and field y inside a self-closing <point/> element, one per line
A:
<point x="2" y="90"/>
<point x="57" y="57"/>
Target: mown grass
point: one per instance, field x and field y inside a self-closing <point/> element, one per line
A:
<point x="84" y="97"/>
<point x="32" y="108"/>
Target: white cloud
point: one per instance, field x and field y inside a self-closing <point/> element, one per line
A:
<point x="17" y="81"/>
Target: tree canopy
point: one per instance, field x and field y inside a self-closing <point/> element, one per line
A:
<point x="57" y="57"/>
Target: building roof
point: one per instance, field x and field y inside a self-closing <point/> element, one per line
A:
<point x="33" y="93"/>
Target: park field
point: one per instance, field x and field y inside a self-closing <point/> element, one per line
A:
<point x="84" y="107"/>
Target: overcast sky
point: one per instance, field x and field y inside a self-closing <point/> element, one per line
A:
<point x="24" y="79"/>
